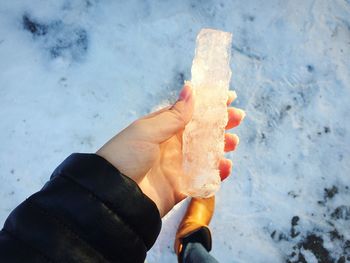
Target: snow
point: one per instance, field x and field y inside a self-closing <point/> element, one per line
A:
<point x="92" y="67"/>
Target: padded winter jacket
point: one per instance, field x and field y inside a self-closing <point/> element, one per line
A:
<point x="87" y="212"/>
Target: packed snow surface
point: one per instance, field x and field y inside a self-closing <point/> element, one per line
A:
<point x="73" y="73"/>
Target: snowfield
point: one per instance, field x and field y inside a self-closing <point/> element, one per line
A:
<point x="73" y="73"/>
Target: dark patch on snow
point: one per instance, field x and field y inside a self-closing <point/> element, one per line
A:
<point x="88" y="3"/>
<point x="295" y="220"/>
<point x="310" y="68"/>
<point x="265" y="103"/>
<point x="76" y="44"/>
<point x="313" y="241"/>
<point x="37" y="29"/>
<point x="329" y="193"/>
<point x="314" y="244"/>
<point x="326" y="129"/>
<point x="204" y="8"/>
<point x="334" y="235"/>
<point x="293" y="194"/>
<point x="63" y="82"/>
<point x="341" y="212"/>
<point x="305" y="94"/>
<point x="293" y="231"/>
<point x="262" y="137"/>
<point x="245" y="51"/>
<point x="273" y="234"/>
<point x="278" y="236"/>
<point x="283" y="111"/>
<point x="58" y="38"/>
<point x="346" y="248"/>
<point x="340" y="157"/>
<point x="249" y="18"/>
<point x="67" y="5"/>
<point x="296" y="258"/>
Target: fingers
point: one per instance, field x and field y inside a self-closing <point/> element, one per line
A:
<point x="157" y="112"/>
<point x="225" y="167"/>
<point x="231" y="142"/>
<point x="232" y="95"/>
<point x="235" y="117"/>
<point x="161" y="125"/>
<point x="169" y="121"/>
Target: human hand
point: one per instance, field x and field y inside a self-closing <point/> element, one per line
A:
<point x="149" y="151"/>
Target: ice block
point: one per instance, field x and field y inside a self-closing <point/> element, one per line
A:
<point x="203" y="138"/>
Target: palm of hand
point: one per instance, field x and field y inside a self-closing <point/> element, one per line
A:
<point x="163" y="177"/>
<point x="155" y="166"/>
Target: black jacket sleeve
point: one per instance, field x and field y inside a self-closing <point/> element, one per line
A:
<point x="87" y="212"/>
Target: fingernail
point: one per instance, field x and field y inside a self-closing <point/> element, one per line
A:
<point x="237" y="139"/>
<point x="242" y="112"/>
<point x="234" y="94"/>
<point x="185" y="93"/>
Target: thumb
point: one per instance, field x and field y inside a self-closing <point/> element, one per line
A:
<point x="167" y="123"/>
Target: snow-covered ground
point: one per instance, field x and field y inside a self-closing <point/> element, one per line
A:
<point x="73" y="73"/>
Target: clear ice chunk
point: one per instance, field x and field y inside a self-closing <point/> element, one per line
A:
<point x="203" y="138"/>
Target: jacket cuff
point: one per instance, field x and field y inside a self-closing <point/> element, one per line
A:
<point x="117" y="191"/>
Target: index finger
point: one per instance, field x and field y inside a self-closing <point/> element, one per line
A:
<point x="232" y="95"/>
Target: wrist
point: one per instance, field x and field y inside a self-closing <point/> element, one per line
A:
<point x="160" y="193"/>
